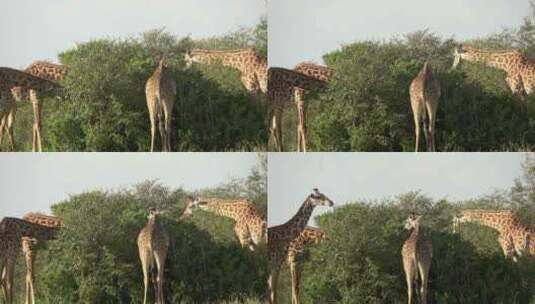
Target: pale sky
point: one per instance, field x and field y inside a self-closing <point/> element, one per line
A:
<point x="39" y="30"/>
<point x="346" y="177"/>
<point x="33" y="182"/>
<point x="304" y="30"/>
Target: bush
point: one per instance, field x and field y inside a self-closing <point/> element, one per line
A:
<point x="104" y="106"/>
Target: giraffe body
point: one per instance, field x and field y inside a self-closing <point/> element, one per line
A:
<point x="280" y="237"/>
<point x="160" y="91"/>
<point x="310" y="235"/>
<point x="515" y="239"/>
<point x="425" y="92"/>
<point x="12" y="232"/>
<point x="250" y="226"/>
<point x="18" y="85"/>
<point x="283" y="86"/>
<point x="251" y="65"/>
<point x="417" y="253"/>
<point x="520" y="70"/>
<point x="318" y="72"/>
<point x="153" y="244"/>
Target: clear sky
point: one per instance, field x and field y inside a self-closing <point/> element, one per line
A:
<point x="33" y="182"/>
<point x="304" y="30"/>
<point x="346" y="177"/>
<point x="39" y="29"/>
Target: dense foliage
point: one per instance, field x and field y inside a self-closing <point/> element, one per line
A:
<point x="104" y="107"/>
<point x="361" y="260"/>
<point x="95" y="257"/>
<point x="367" y="108"/>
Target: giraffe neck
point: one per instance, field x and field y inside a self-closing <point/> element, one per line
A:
<point x="240" y="59"/>
<point x="230" y="209"/>
<point x="415" y="233"/>
<point x="299" y="221"/>
<point x="500" y="60"/>
<point x="497" y="221"/>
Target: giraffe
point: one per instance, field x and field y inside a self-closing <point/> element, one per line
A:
<point x="417" y="253"/>
<point x="18" y="85"/>
<point x="251" y="65"/>
<point x="281" y="236"/>
<point x="12" y="230"/>
<point x="153" y="244"/>
<point x="425" y="92"/>
<point x="45" y="70"/>
<point x="250" y="226"/>
<point x="310" y="235"/>
<point x="515" y="239"/>
<point x="283" y="84"/>
<point x="318" y="72"/>
<point x="28" y="248"/>
<point x="160" y="91"/>
<point x="520" y="70"/>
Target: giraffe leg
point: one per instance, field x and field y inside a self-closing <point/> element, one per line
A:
<point x="426" y="130"/>
<point x="295" y="274"/>
<point x="431" y="114"/>
<point x="272" y="284"/>
<point x="146" y="261"/>
<point x="516" y="85"/>
<point x="151" y="105"/>
<point x="244" y="236"/>
<point x="423" y="268"/>
<point x="301" y="115"/>
<point x="275" y="129"/>
<point x="30" y="278"/>
<point x="37" y="111"/>
<point x="161" y="127"/>
<point x="416" y="116"/>
<point x="278" y="121"/>
<point x="9" y="126"/>
<point x="507" y="246"/>
<point x="160" y="258"/>
<point x="3" y="126"/>
<point x="410" y="273"/>
<point x="8" y="280"/>
<point x="168" y="112"/>
<point x="3" y="281"/>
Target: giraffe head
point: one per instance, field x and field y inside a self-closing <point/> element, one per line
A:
<point x="191" y="204"/>
<point x="189" y="58"/>
<point x="412" y="221"/>
<point x="462" y="217"/>
<point x="154" y="213"/>
<point x="464" y="52"/>
<point x="316" y="198"/>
